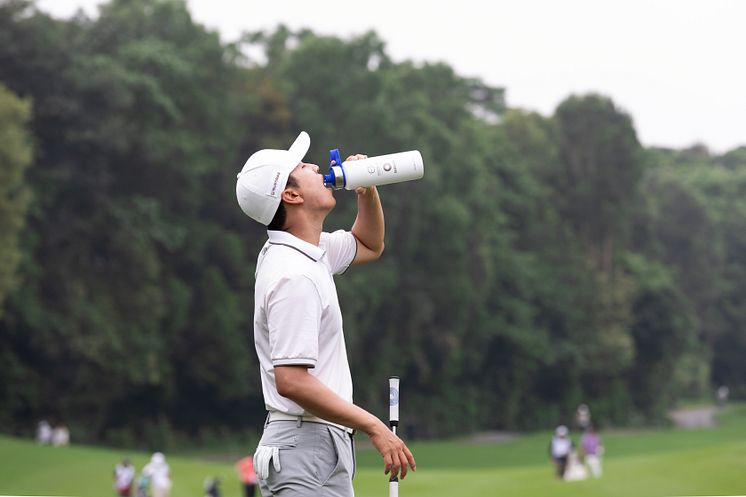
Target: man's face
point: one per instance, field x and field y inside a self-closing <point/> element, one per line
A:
<point x="311" y="186"/>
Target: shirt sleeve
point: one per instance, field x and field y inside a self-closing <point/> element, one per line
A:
<point x="341" y="249"/>
<point x="293" y="317"/>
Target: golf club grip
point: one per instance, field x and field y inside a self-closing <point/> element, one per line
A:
<point x="394" y="488"/>
<point x="393" y="401"/>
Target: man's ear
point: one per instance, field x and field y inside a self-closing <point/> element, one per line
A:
<point x="291" y="196"/>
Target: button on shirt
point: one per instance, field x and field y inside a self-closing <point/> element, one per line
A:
<point x="297" y="318"/>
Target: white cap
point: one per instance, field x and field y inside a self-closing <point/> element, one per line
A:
<point x="561" y="431"/>
<point x="264" y="176"/>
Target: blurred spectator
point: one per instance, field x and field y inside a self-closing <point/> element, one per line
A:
<point x="159" y="474"/>
<point x="212" y="487"/>
<point x="593" y="449"/>
<point x="574" y="471"/>
<point x="44" y="432"/>
<point x="247" y="475"/>
<point x="559" y="449"/>
<point x="124" y="475"/>
<point x="722" y="396"/>
<point x="61" y="436"/>
<point x="143" y="484"/>
<point x="583" y="417"/>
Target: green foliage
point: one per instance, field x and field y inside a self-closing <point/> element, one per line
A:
<point x="695" y="225"/>
<point x="15" y="157"/>
<point x="15" y="196"/>
<point x="127" y="261"/>
<point x="540" y="263"/>
<point x="601" y="167"/>
<point x="663" y="331"/>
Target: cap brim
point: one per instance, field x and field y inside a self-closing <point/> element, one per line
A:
<point x="299" y="148"/>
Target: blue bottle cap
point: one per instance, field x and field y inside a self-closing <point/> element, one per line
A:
<point x="334" y="160"/>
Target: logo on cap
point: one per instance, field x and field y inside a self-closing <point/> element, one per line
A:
<point x="273" y="190"/>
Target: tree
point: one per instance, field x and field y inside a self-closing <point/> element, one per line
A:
<point x="523" y="274"/>
<point x="15" y="157"/>
<point x="601" y="166"/>
<point x="664" y="332"/>
<point x="132" y="134"/>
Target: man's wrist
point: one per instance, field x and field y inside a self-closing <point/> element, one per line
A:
<point x="373" y="425"/>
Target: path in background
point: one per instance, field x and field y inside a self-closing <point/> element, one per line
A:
<point x="492" y="437"/>
<point x="696" y="417"/>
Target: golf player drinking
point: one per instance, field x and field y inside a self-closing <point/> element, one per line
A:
<point x="307" y="446"/>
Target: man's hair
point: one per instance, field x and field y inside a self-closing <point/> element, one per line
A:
<point x="278" y="222"/>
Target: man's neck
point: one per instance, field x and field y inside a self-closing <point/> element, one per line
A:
<point x="308" y="230"/>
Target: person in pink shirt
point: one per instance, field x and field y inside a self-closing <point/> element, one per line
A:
<point x="247" y="475"/>
<point x="593" y="449"/>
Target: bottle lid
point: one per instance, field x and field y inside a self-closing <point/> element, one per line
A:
<point x="336" y="176"/>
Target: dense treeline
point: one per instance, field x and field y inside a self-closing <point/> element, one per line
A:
<point x="541" y="262"/>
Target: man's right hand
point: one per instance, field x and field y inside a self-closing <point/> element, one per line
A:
<point x="298" y="385"/>
<point x="397" y="457"/>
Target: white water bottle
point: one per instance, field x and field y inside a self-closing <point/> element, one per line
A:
<point x="379" y="170"/>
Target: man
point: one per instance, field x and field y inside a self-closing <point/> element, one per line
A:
<point x="583" y="417"/>
<point x="124" y="475"/>
<point x="158" y="473"/>
<point x="593" y="449"/>
<point x="559" y="450"/>
<point x="44" y="432"/>
<point x="307" y="446"/>
<point x="247" y="475"/>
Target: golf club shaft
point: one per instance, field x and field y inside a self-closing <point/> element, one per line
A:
<point x="393" y="424"/>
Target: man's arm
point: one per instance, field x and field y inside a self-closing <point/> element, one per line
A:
<point x="298" y="385"/>
<point x="369" y="227"/>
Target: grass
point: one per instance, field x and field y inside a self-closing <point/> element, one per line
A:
<point x="664" y="462"/>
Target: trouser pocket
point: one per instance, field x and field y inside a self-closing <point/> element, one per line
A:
<point x="326" y="455"/>
<point x="267" y="457"/>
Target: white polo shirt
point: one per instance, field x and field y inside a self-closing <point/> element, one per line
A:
<point x="297" y="319"/>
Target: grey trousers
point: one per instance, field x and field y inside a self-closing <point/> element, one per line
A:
<point x="316" y="459"/>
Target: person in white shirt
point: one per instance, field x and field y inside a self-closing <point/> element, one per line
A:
<point x="159" y="474"/>
<point x="124" y="475"/>
<point x="44" y="432"/>
<point x="307" y="446"/>
<point x="61" y="436"/>
<point x="559" y="450"/>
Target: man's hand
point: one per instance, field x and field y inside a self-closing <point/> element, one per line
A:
<point x="396" y="455"/>
<point x="356" y="157"/>
<point x="298" y="385"/>
<point x="360" y="190"/>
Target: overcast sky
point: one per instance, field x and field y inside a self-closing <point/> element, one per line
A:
<point x="677" y="66"/>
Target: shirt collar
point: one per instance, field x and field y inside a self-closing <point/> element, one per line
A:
<point x="285" y="238"/>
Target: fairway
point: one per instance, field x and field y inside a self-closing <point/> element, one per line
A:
<point x="644" y="463"/>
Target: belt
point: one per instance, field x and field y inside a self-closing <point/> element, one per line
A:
<point x="304" y="418"/>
